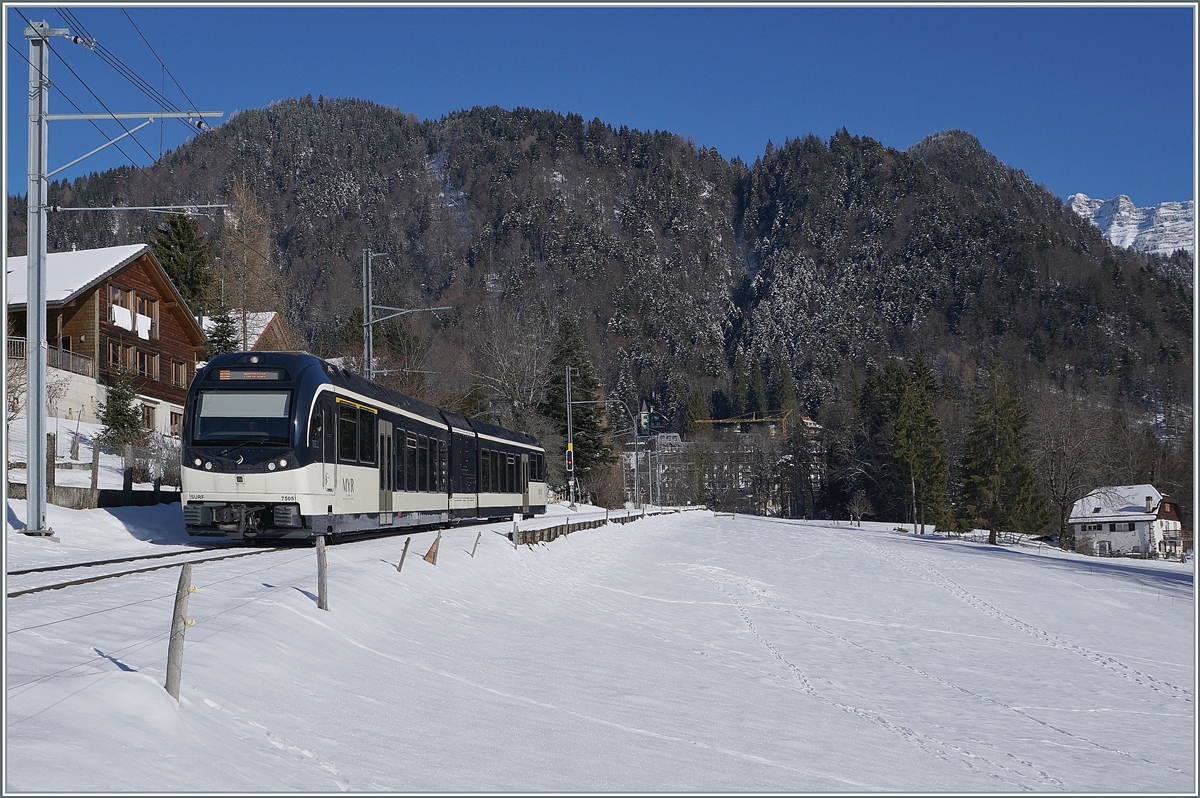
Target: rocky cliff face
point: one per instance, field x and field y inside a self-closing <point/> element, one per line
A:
<point x="1159" y="229"/>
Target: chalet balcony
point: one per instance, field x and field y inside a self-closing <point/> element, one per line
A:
<point x="55" y="358"/>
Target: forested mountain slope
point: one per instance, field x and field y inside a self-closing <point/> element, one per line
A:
<point x="862" y="252"/>
<point x="832" y="256"/>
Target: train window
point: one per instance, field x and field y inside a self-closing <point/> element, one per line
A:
<point x="442" y="467"/>
<point x="399" y="462"/>
<point x="383" y="472"/>
<point x="347" y="433"/>
<point x="485" y="470"/>
<point x="422" y="463"/>
<point x="494" y="480"/>
<point x="314" y="427"/>
<point x="366" y="436"/>
<point x="410" y="462"/>
<point x="512" y="473"/>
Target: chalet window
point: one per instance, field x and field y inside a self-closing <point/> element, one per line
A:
<point x="147" y="307"/>
<point x="118" y="297"/>
<point x="179" y="376"/>
<point x="148" y="417"/>
<point x="147" y="364"/>
<point x="119" y="355"/>
<point x="1132" y="526"/>
<point x="176" y="424"/>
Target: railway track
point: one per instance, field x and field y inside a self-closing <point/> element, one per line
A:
<point x="174" y="559"/>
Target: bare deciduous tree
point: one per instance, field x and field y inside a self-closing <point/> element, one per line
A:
<point x="14" y="399"/>
<point x="858" y="506"/>
<point x="1070" y="456"/>
<point x="247" y="270"/>
<point x="511" y="348"/>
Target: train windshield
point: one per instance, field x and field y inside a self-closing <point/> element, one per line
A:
<point x="243" y="417"/>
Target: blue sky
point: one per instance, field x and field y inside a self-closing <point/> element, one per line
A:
<point x="1098" y="100"/>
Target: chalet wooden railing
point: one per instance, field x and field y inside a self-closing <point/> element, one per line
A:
<point x="55" y="358"/>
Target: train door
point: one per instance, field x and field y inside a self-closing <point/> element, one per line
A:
<point x="387" y="472"/>
<point x="328" y="449"/>
<point x="525" y="484"/>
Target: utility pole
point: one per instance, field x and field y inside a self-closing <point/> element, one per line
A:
<point x="245" y="269"/>
<point x="368" y="330"/>
<point x="36" y="345"/>
<point x="35" y="296"/>
<point x="369" y="320"/>
<point x="633" y="428"/>
<point x="570" y="445"/>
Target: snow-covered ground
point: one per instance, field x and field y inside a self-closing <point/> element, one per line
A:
<point x="686" y="652"/>
<point x="70" y="472"/>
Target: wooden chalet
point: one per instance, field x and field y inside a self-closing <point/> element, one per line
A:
<point x="108" y="309"/>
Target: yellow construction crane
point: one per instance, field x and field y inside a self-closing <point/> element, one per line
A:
<point x="777" y="417"/>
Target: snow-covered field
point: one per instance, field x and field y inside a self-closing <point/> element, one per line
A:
<point x="76" y="473"/>
<point x="685" y="652"/>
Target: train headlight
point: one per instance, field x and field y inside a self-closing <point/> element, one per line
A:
<point x="208" y="466"/>
<point x="283" y="462"/>
<point x="271" y="466"/>
<point x="196" y="462"/>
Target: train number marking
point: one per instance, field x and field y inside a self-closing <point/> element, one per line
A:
<point x="192" y="496"/>
<point x="287" y="498"/>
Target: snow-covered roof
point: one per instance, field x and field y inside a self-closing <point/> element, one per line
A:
<point x="69" y="273"/>
<point x="1117" y="503"/>
<point x="257" y="323"/>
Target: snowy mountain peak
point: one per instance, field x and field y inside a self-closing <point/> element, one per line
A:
<point x="1160" y="229"/>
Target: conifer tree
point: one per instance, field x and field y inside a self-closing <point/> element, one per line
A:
<point x="591" y="445"/>
<point x="182" y="251"/>
<point x="921" y="453"/>
<point x="756" y="393"/>
<point x="697" y="409"/>
<point x="785" y="391"/>
<point x="998" y="485"/>
<point x="741" y="388"/>
<point x="224" y="336"/>
<point x="121" y="413"/>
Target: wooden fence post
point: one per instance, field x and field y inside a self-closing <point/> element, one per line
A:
<point x="403" y="554"/>
<point x="478" y="535"/>
<point x="95" y="498"/>
<point x="127" y="474"/>
<point x="322" y="588"/>
<point x="179" y="623"/>
<point x="51" y="457"/>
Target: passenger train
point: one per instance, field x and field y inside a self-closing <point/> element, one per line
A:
<point x="286" y="445"/>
